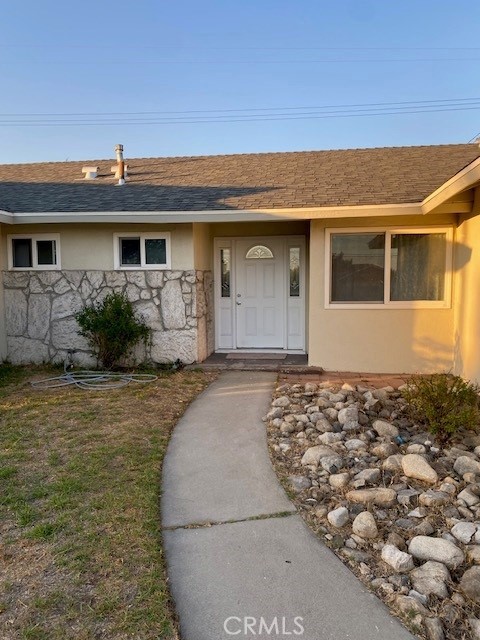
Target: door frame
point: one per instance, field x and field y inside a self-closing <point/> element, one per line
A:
<point x="225" y="314"/>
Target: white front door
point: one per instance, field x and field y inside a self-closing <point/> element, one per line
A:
<point x="260" y="293"/>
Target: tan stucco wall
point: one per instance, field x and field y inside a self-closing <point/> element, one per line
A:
<point x="377" y="340"/>
<point x="90" y="246"/>
<point x="467" y="299"/>
<point x="3" y="334"/>
<point x="202" y="246"/>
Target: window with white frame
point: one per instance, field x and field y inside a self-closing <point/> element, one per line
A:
<point x="389" y="267"/>
<point x="38" y="251"/>
<point x="142" y="250"/>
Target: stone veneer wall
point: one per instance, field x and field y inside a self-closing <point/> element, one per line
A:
<point x="40" y="308"/>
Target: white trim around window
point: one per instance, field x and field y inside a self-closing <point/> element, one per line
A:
<point x="34" y="239"/>
<point x="387" y="302"/>
<point x="142" y="237"/>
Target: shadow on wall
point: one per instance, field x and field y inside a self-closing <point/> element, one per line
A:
<point x="48" y="197"/>
<point x="442" y="353"/>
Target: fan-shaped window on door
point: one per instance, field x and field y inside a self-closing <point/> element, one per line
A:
<point x="259" y="251"/>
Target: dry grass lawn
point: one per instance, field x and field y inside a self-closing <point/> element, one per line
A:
<point x="80" y="545"/>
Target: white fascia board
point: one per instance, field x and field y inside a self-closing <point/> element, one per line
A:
<point x="464" y="179"/>
<point x="224" y="215"/>
<point x="6" y="217"/>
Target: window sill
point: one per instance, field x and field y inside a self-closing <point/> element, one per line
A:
<point x="420" y="304"/>
<point x="150" y="267"/>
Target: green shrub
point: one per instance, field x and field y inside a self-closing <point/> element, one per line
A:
<point x="111" y="328"/>
<point x="443" y="403"/>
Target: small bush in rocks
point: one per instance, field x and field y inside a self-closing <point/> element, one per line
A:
<point x="443" y="403"/>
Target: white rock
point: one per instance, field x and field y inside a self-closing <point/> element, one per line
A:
<point x="338" y="517"/>
<point x="167" y="346"/>
<point x="365" y="526"/>
<point x="397" y="559"/>
<point x="150" y="314"/>
<point x="26" y="351"/>
<point x="437" y="549"/>
<point x="464" y="531"/>
<point x="414" y="466"/>
<point x="385" y="428"/>
<point x="66" y="305"/>
<point x="15" y="312"/>
<point x="314" y="454"/>
<point x="474" y="628"/>
<point x="330" y="437"/>
<point x="172" y="305"/>
<point x="38" y="316"/>
<point x="430" y="578"/>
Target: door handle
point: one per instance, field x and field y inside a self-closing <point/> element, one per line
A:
<point x="238" y="303"/>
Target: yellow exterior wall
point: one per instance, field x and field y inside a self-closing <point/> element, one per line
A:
<point x="377" y="340"/>
<point x="467" y="298"/>
<point x="202" y="246"/>
<point x="90" y="246"/>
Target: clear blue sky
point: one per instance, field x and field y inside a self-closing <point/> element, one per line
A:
<point x="153" y="55"/>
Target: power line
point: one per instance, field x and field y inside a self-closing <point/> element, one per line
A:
<point x="374" y="105"/>
<point x="267" y="118"/>
<point x="125" y="63"/>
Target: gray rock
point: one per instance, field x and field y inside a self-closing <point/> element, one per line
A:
<point x="464" y="531"/>
<point x="399" y="560"/>
<point x="323" y="425"/>
<point x="313" y="455"/>
<point x="283" y="401"/>
<point x="474" y="628"/>
<point x="114" y="279"/>
<point x="366" y="477"/>
<point x="430" y="579"/>
<point x="473" y="553"/>
<point x="416" y="448"/>
<point x="415" y="466"/>
<point x="463" y="465"/>
<point x="332" y="464"/>
<point x="437" y="549"/>
<point x="409" y="606"/>
<point x="393" y="463"/>
<point x="167" y="346"/>
<point x="365" y="526"/>
<point x="470" y="498"/>
<point x="338" y="480"/>
<point x="355" y="444"/>
<point x="26" y="351"/>
<point x="385" y="428"/>
<point x="330" y="438"/>
<point x="338" y="517"/>
<point x="470" y="584"/>
<point x="379" y="496"/>
<point x="407" y="496"/>
<point x="385" y="449"/>
<point x="433" y="498"/>
<point x="434" y="629"/>
<point x="348" y="414"/>
<point x="299" y="483"/>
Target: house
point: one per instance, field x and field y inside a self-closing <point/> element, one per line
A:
<point x="366" y="259"/>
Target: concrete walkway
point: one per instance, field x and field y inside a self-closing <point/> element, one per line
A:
<point x="256" y="570"/>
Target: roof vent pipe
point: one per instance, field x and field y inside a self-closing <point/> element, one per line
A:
<point x="120" y="164"/>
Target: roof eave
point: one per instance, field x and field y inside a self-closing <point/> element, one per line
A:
<point x="461" y="181"/>
<point x="221" y="215"/>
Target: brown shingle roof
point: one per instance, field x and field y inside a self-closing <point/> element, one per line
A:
<point x="250" y="181"/>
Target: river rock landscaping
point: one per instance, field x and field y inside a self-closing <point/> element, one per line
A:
<point x="402" y="511"/>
